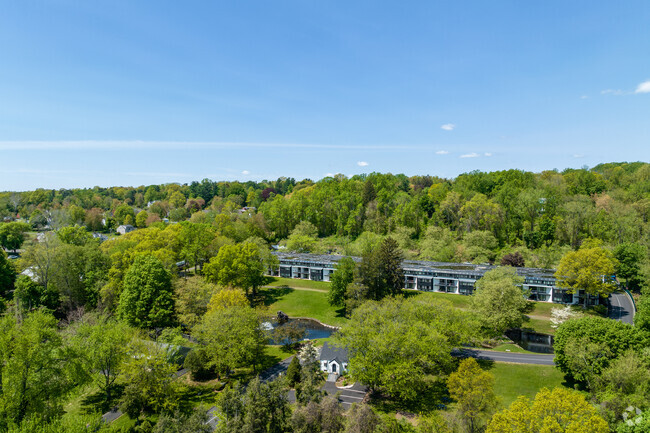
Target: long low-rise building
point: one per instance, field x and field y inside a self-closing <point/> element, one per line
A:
<point x="458" y="278"/>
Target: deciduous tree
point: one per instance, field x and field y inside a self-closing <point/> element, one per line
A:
<point x="473" y="390"/>
<point x="560" y="410"/>
<point x="147" y="296"/>
<point x="395" y="343"/>
<point x="591" y="269"/>
<point x="342" y="277"/>
<point x="499" y="300"/>
<point x="238" y="266"/>
<point x="218" y="331"/>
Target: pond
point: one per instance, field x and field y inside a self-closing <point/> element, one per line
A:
<point x="532" y="341"/>
<point x="312" y="328"/>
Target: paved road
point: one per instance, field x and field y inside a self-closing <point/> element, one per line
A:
<point x="518" y="358"/>
<point x="621" y="308"/>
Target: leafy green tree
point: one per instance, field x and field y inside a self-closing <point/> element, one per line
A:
<point x="630" y="256"/>
<point x="395" y="343"/>
<point x="326" y="416"/>
<point x="12" y="235"/>
<point x="76" y="214"/>
<point x="147" y="296"/>
<point x="238" y="266"/>
<point x="342" y="277"/>
<point x="198" y="362"/>
<point x="560" y="410"/>
<point x="122" y="212"/>
<point x="499" y="300"/>
<point x="591" y="269"/>
<point x="141" y="219"/>
<point x="220" y="328"/>
<point x="473" y="390"/>
<point x="191" y="296"/>
<point x="227" y="298"/>
<point x="36" y="367"/>
<point x="362" y="419"/>
<point x="625" y="383"/>
<point x="260" y="407"/>
<point x="585" y="347"/>
<point x="104" y="343"/>
<point x="78" y="236"/>
<point x="150" y="378"/>
<point x="30" y="295"/>
<point x="195" y="422"/>
<point x="196" y="240"/>
<point x="7" y="275"/>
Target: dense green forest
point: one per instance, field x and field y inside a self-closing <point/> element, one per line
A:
<point x="470" y="218"/>
<point x="92" y="319"/>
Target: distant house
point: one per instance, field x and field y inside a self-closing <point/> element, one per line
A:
<point x="247" y="210"/>
<point x="333" y="359"/>
<point x="124" y="229"/>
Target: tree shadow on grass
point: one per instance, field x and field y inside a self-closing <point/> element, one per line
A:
<point x="97" y="402"/>
<point x="270" y="296"/>
<point x="433" y="396"/>
<point x="190" y="397"/>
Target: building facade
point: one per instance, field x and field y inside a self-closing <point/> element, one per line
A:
<point x="457" y="278"/>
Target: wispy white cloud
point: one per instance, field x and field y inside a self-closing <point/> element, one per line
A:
<point x="578" y="155"/>
<point x="470" y="155"/>
<point x="488" y="154"/>
<point x="442" y="152"/>
<point x="584" y="97"/>
<point x="643" y="87"/>
<point x="448" y="127"/>
<point x="245" y="172"/>
<point x="615" y="92"/>
<point x="362" y="164"/>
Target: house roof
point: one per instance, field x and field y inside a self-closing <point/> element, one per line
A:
<point x="330" y="353"/>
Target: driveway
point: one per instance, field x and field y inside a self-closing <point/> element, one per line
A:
<point x="347" y="396"/>
<point x="621" y="308"/>
<point x="517" y="358"/>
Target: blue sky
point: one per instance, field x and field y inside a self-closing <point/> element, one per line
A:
<point x="133" y="92"/>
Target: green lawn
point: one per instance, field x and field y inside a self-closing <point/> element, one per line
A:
<point x="291" y="282"/>
<point x="302" y="303"/>
<point x="507" y="347"/>
<point x="513" y="380"/>
<point x="284" y="294"/>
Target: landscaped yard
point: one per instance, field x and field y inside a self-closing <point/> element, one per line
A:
<point x="285" y="294"/>
<point x="302" y="303"/>
<point x="513" y="380"/>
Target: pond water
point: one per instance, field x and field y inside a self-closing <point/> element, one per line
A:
<point x="540" y="343"/>
<point x="313" y="328"/>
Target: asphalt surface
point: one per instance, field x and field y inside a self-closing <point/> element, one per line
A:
<point x="347" y="396"/>
<point x="621" y="308"/>
<point x="517" y="358"/>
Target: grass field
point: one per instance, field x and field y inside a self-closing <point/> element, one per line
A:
<point x="507" y="347"/>
<point x="513" y="380"/>
<point x="302" y="303"/>
<point x="284" y="294"/>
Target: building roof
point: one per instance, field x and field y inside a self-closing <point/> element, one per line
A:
<point x="330" y="353"/>
<point x="471" y="270"/>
